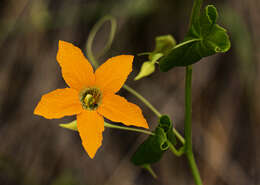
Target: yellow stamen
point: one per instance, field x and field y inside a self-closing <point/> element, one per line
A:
<point x="89" y="100"/>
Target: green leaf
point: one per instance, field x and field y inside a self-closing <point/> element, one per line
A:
<point x="214" y="37"/>
<point x="166" y="124"/>
<point x="71" y="126"/>
<point x="152" y="149"/>
<point x="204" y="38"/>
<point x="181" y="55"/>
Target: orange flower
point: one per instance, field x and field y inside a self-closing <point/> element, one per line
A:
<point x="91" y="95"/>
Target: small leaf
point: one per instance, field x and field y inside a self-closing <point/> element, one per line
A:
<point x="152" y="149"/>
<point x="204" y="38"/>
<point x="71" y="126"/>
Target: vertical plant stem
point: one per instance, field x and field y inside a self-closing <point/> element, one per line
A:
<point x="188" y="106"/>
<point x="194" y="168"/>
<point x="195" y="11"/>
<point x="187" y="127"/>
<point x="188" y="103"/>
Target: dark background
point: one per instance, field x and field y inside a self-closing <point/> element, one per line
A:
<point x="226" y="105"/>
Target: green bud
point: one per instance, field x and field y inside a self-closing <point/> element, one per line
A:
<point x="71" y="126"/>
<point x="146" y="69"/>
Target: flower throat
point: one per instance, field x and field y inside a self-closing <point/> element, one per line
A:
<point x="90" y="98"/>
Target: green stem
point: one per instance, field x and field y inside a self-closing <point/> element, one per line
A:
<point x="109" y="125"/>
<point x="194" y="168"/>
<point x="150" y="170"/>
<point x="175" y="151"/>
<point x="187" y="127"/>
<point x="179" y="136"/>
<point x="188" y="106"/>
<point x="186" y="42"/>
<point x="73" y="126"/>
<point x="145" y="101"/>
<point x="195" y="11"/>
<point x="152" y="108"/>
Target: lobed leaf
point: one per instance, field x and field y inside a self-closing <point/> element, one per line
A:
<point x="152" y="149"/>
<point x="204" y="38"/>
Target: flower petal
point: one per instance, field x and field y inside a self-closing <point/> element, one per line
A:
<point x="90" y="127"/>
<point x="76" y="70"/>
<point x="111" y="75"/>
<point x="118" y="109"/>
<point x="59" y="103"/>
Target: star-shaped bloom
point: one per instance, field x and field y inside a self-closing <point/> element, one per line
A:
<point x="91" y="95"/>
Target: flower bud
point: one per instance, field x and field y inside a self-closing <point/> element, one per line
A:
<point x="146" y="69"/>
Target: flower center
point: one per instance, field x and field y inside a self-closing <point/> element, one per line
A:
<point x="90" y="98"/>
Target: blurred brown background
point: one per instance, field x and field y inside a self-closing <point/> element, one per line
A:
<point x="226" y="105"/>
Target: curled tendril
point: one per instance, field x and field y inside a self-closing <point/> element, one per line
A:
<point x="92" y="35"/>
